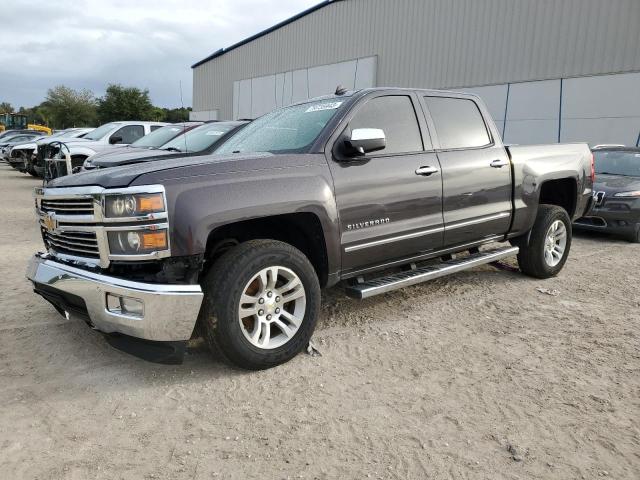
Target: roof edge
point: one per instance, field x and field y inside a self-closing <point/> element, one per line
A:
<point x="289" y="20"/>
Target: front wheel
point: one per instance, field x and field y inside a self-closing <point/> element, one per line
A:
<point x="261" y="304"/>
<point x="549" y="243"/>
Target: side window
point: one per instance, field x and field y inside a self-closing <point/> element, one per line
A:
<point x="155" y="127"/>
<point x="130" y="133"/>
<point x="395" y="115"/>
<point x="458" y="121"/>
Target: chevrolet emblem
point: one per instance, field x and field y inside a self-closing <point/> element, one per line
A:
<point x="50" y="222"/>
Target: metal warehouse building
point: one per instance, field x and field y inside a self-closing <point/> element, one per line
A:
<point x="549" y="70"/>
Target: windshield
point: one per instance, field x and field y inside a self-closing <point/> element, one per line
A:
<point x="199" y="138"/>
<point x="617" y="162"/>
<point x="290" y="129"/>
<point x="9" y="138"/>
<point x="100" y="132"/>
<point x="159" y="137"/>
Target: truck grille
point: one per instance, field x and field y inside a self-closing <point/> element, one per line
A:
<point x="67" y="206"/>
<point x="80" y="244"/>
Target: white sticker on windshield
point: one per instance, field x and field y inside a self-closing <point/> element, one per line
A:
<point x="323" y="106"/>
<point x="214" y="132"/>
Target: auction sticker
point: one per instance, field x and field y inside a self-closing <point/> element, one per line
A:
<point x="323" y="106"/>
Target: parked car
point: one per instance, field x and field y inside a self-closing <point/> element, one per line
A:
<point x="378" y="188"/>
<point x="8" y="133"/>
<point x="23" y="154"/>
<point x="154" y="140"/>
<point x="103" y="137"/>
<point x="35" y="163"/>
<point x="7" y="143"/>
<point x="616" y="193"/>
<point x="197" y="141"/>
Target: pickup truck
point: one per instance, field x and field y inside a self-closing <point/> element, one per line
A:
<point x="378" y="188"/>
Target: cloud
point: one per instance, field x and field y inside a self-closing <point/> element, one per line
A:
<point x="146" y="43"/>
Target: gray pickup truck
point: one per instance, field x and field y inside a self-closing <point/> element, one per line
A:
<point x="378" y="188"/>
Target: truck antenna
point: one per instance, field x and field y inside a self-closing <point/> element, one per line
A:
<point x="184" y="126"/>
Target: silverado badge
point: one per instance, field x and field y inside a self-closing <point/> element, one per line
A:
<point x="368" y="223"/>
<point x="50" y="222"/>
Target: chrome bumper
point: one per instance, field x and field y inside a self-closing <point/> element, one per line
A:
<point x="168" y="312"/>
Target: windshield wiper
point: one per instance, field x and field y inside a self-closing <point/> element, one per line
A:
<point x="172" y="149"/>
<point x="609" y="173"/>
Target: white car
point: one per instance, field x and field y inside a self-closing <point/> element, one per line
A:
<point x="28" y="151"/>
<point x="103" y="137"/>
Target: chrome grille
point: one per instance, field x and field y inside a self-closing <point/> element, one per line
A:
<point x="81" y="244"/>
<point x="67" y="206"/>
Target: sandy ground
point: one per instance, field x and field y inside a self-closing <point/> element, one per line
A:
<point x="479" y="375"/>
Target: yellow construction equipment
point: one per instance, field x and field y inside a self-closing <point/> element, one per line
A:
<point x="18" y="121"/>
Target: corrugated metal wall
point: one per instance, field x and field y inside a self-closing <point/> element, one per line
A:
<point x="439" y="44"/>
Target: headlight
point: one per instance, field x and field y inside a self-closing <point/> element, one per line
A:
<point x="117" y="206"/>
<point x="635" y="193"/>
<point x="137" y="242"/>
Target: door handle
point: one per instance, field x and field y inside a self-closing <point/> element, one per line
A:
<point x="426" y="170"/>
<point x="499" y="163"/>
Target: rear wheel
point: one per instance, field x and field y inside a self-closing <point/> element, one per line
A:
<point x="549" y="243"/>
<point x="261" y="304"/>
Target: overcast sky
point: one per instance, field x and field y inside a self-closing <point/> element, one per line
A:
<point x="144" y="43"/>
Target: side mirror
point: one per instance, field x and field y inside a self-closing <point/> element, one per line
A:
<point x="365" y="140"/>
<point x="114" y="140"/>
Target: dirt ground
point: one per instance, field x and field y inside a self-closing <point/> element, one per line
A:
<point x="479" y="375"/>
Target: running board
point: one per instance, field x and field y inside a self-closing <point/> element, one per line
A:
<point x="423" y="274"/>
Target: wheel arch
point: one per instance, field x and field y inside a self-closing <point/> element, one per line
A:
<point x="561" y="192"/>
<point x="302" y="230"/>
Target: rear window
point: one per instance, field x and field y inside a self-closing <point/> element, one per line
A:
<point x="458" y="121"/>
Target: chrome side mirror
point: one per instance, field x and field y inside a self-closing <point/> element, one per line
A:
<point x="365" y="140"/>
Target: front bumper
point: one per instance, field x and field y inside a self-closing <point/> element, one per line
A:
<point x="617" y="223"/>
<point x="16" y="162"/>
<point x="168" y="312"/>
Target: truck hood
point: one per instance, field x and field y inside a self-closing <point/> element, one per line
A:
<point x="181" y="166"/>
<point x="127" y="155"/>
<point x="611" y="184"/>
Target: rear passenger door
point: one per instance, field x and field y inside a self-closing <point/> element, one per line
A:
<point x="476" y="173"/>
<point x="388" y="210"/>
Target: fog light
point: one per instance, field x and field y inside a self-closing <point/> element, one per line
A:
<point x="129" y="306"/>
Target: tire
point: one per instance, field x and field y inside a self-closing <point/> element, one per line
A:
<point x="237" y="272"/>
<point x="635" y="237"/>
<point x="535" y="258"/>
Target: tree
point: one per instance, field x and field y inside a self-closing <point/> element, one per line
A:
<point x="125" y="103"/>
<point x="175" y="115"/>
<point x="5" y="107"/>
<point x="37" y="114"/>
<point x="65" y="107"/>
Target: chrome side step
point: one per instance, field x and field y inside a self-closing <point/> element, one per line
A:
<point x="430" y="272"/>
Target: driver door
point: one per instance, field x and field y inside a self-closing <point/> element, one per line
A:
<point x="389" y="201"/>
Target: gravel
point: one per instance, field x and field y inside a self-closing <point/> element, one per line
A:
<point x="426" y="382"/>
